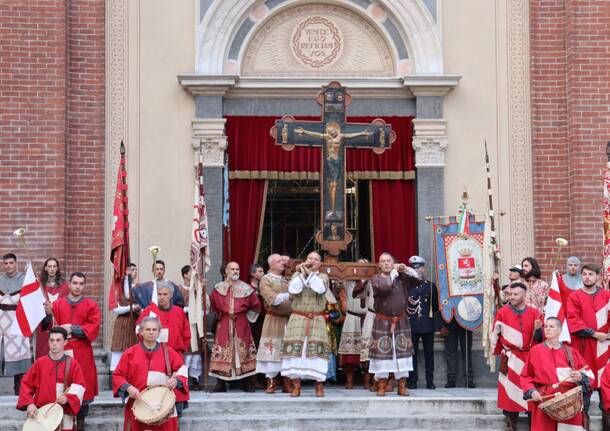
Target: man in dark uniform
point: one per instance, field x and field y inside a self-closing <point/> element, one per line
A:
<point x="422" y="321"/>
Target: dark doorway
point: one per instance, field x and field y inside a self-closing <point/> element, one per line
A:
<point x="292" y="218"/>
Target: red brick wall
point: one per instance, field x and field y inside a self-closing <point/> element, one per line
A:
<point x="570" y="82"/>
<point x="52" y="132"/>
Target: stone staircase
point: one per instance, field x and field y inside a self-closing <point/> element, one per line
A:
<point x="442" y="409"/>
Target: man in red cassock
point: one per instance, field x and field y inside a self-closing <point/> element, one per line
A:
<point x="38" y="386"/>
<point x="54" y="287"/>
<point x="145" y="364"/>
<point x="553" y="367"/>
<point x="80" y="316"/>
<point x="175" y="329"/>
<point x="516" y="329"/>
<point x="588" y="323"/>
<point x="234" y="353"/>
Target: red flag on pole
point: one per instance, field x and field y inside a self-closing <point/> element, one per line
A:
<point x="607" y="219"/>
<point x="119" y="249"/>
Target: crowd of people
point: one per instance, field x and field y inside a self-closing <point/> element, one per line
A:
<point x="292" y="324"/>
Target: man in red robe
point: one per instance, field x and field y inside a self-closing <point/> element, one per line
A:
<point x="553" y="367"/>
<point x="54" y="287"/>
<point x="516" y="328"/>
<point x="234" y="353"/>
<point x="175" y="329"/>
<point x="146" y="364"/>
<point x="54" y="378"/>
<point x="80" y="316"/>
<point x="588" y="323"/>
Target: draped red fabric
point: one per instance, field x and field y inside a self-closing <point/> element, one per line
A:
<point x="246" y="198"/>
<point x="251" y="148"/>
<point x="394" y="218"/>
<point x="257" y="151"/>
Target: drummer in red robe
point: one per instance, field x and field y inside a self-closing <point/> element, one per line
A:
<point x="234" y="353"/>
<point x="516" y="329"/>
<point x="175" y="331"/>
<point x="38" y="387"/>
<point x="145" y="364"/>
<point x="588" y="322"/>
<point x="548" y="364"/>
<point x="80" y="316"/>
<point x="54" y="287"/>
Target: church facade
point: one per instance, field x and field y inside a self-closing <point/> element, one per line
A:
<point x="173" y="80"/>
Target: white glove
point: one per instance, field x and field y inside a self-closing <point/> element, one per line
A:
<point x="280" y="298"/>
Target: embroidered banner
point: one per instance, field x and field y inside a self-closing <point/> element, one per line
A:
<point x="459" y="270"/>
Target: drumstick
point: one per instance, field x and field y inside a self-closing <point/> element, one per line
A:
<point x="556" y="385"/>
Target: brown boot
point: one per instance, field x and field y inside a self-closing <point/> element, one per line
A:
<point x="296" y="388"/>
<point x="286" y="386"/>
<point x="402" y="387"/>
<point x="349" y="377"/>
<point x="389" y="386"/>
<point x="270" y="386"/>
<point x="319" y="389"/>
<point x="510" y="419"/>
<point x="381" y="385"/>
<point x="366" y="380"/>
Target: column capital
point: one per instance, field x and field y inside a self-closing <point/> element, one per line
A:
<point x="430" y="142"/>
<point x="209" y="134"/>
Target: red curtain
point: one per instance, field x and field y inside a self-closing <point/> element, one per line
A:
<point x="251" y="148"/>
<point x="246" y="199"/>
<point x="394" y="218"/>
<point x="257" y="151"/>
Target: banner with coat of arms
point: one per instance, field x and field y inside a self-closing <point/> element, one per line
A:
<point x="458" y="249"/>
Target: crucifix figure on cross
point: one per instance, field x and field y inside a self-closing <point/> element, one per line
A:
<point x="333" y="134"/>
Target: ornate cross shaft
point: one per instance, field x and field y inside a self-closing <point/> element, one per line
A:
<point x="333" y="134"/>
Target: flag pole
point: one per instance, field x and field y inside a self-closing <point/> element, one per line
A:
<point x="606" y="211"/>
<point x="202" y="280"/>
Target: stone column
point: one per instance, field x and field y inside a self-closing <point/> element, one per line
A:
<point x="430" y="145"/>
<point x="209" y="137"/>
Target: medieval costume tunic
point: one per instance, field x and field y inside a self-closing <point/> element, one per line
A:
<point x="175" y="328"/>
<point x="192" y="359"/>
<point x="513" y="335"/>
<point x="355" y="310"/>
<point x="306" y="345"/>
<point x="544" y="367"/>
<point x="47" y="380"/>
<point x="392" y="349"/>
<point x="124" y="330"/>
<point x="234" y="353"/>
<point x="588" y="313"/>
<point x="53" y="291"/>
<point x="15" y="355"/>
<point x="143" y="294"/>
<point x="84" y="316"/>
<point x="366" y="291"/>
<point x="142" y="367"/>
<point x="274" y="292"/>
<point x="537" y="292"/>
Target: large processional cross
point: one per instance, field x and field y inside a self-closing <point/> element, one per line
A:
<point x="333" y="134"/>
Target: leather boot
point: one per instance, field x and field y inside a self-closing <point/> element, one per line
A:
<point x="270" y="386"/>
<point x="296" y="388"/>
<point x="389" y="386"/>
<point x="286" y="386"/>
<point x="381" y="385"/>
<point x="402" y="387"/>
<point x="510" y="419"/>
<point x="319" y="389"/>
<point x="220" y="386"/>
<point x="349" y="377"/>
<point x="605" y="421"/>
<point x="366" y="380"/>
<point x="80" y="423"/>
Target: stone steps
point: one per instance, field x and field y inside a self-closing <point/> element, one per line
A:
<point x="451" y="410"/>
